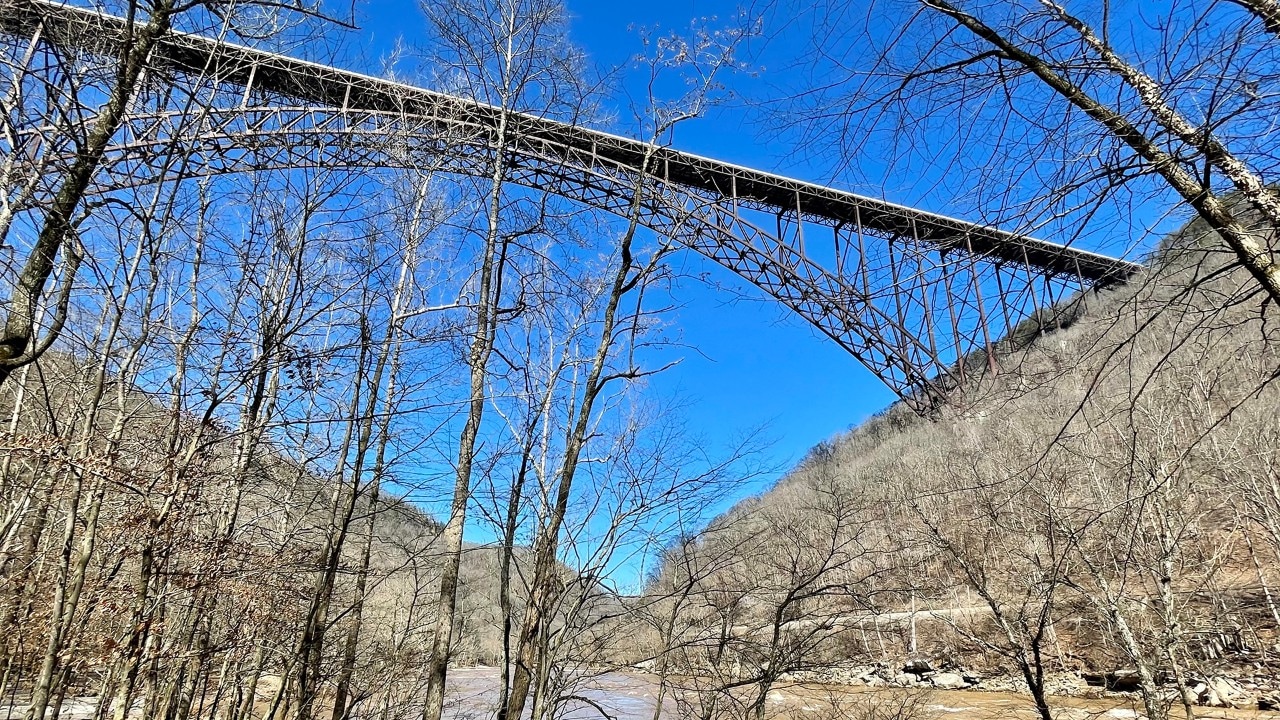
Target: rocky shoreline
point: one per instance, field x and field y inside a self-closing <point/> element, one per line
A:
<point x="1243" y="690"/>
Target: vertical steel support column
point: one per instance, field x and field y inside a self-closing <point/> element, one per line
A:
<point x="344" y="119"/>
<point x="862" y="257"/>
<point x="1031" y="285"/>
<point x="248" y="86"/>
<point x="1004" y="304"/>
<point x="927" y="319"/>
<point x="799" y="227"/>
<point x="927" y="309"/>
<point x="835" y="248"/>
<point x="899" y="315"/>
<point x="1084" y="289"/>
<point x="955" y="321"/>
<point x="982" y="311"/>
<point x="1049" y="306"/>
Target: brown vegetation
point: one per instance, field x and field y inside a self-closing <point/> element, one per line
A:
<point x="1105" y="502"/>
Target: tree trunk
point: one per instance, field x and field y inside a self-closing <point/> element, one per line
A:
<point x="482" y="340"/>
<point x="19" y="327"/>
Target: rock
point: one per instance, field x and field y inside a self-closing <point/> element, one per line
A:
<point x="1269" y="702"/>
<point x="972" y="678"/>
<point x="948" y="681"/>
<point x="864" y="674"/>
<point x="1093" y="693"/>
<point x="918" y="666"/>
<point x="1115" y="681"/>
<point x="905" y="680"/>
<point x="1123" y="681"/>
<point x="1063" y="683"/>
<point x="1225" y="692"/>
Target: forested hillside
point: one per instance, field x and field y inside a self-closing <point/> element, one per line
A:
<point x="1107" y="501"/>
<point x="232" y="543"/>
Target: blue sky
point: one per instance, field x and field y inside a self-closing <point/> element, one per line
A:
<point x="749" y="363"/>
<point x="754" y="364"/>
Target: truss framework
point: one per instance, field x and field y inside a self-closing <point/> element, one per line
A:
<point x="912" y="295"/>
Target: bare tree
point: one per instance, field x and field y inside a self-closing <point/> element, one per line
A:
<point x="1092" y="113"/>
<point x="508" y="55"/>
<point x="996" y="533"/>
<point x="90" y="140"/>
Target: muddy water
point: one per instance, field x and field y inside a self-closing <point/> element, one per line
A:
<point x="812" y="700"/>
<point x="473" y="693"/>
<point x="633" y="697"/>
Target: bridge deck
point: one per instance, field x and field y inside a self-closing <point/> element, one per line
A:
<point x="333" y="87"/>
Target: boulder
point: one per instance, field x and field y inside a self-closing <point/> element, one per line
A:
<point x="1115" y="681"/>
<point x="918" y="666"/>
<point x="1124" y="681"/>
<point x="1269" y="702"/>
<point x="905" y="680"/>
<point x="948" y="681"/>
<point x="1225" y="692"/>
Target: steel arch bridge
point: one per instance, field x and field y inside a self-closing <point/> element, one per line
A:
<point x="913" y="295"/>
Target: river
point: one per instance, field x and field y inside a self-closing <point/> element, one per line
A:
<point x="633" y="697"/>
<point x="625" y="696"/>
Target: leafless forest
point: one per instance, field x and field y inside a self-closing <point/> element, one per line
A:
<point x="247" y="416"/>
